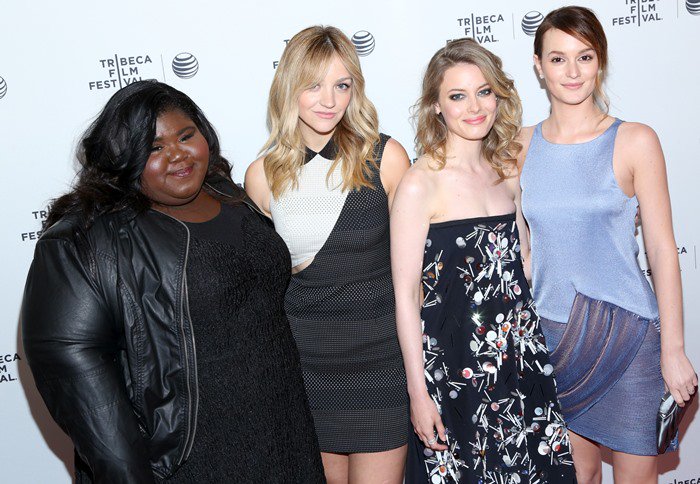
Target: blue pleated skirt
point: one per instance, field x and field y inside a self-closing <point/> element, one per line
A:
<point x="607" y="363"/>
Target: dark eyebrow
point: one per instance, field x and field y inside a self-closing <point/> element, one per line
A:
<point x="579" y="53"/>
<point x="183" y="130"/>
<point x="486" y="84"/>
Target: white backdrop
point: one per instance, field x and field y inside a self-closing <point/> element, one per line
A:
<point x="60" y="62"/>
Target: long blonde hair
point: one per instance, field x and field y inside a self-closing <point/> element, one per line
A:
<point x="303" y="64"/>
<point x="500" y="147"/>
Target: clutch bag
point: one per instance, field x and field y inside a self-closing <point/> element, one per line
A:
<point x="668" y="420"/>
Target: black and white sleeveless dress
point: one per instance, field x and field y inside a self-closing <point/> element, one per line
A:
<point x="341" y="308"/>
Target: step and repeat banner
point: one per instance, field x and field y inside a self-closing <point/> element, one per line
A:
<point x="60" y="62"/>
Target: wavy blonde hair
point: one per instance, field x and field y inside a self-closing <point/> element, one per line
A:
<point x="500" y="147"/>
<point x="303" y="64"/>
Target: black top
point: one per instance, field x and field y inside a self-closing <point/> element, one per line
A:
<point x="224" y="227"/>
<point x="253" y="423"/>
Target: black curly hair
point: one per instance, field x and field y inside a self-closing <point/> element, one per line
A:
<point x="114" y="150"/>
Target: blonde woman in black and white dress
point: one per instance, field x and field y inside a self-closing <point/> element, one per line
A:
<point x="327" y="179"/>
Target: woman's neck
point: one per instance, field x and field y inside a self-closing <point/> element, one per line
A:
<point x="202" y="208"/>
<point x="572" y="120"/>
<point x="313" y="140"/>
<point x="460" y="152"/>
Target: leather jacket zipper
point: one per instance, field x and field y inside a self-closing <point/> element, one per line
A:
<point x="192" y="409"/>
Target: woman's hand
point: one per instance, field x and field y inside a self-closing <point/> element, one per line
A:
<point x="679" y="375"/>
<point x="426" y="420"/>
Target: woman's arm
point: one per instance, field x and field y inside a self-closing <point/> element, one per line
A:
<point x="395" y="162"/>
<point x="513" y="184"/>
<point x="642" y="152"/>
<point x="523" y="231"/>
<point x="72" y="348"/>
<point x="257" y="187"/>
<point x="410" y="220"/>
<point x="524" y="138"/>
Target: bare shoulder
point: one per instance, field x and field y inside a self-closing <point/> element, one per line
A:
<point x="256" y="185"/>
<point x="419" y="179"/>
<point x="524" y="138"/>
<point x="255" y="173"/>
<point x="525" y="134"/>
<point x="638" y="143"/>
<point x="633" y="134"/>
<point x="394" y="156"/>
<point x="393" y="166"/>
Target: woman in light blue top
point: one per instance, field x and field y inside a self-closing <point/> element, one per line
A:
<point x="584" y="175"/>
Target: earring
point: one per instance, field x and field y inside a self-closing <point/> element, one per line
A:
<point x="541" y="76"/>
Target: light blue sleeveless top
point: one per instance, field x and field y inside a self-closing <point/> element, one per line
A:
<point x="581" y="227"/>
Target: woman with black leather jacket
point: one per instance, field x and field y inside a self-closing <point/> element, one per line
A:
<point x="153" y="315"/>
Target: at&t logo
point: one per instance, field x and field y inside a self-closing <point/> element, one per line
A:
<point x="364" y="43"/>
<point x="3" y="88"/>
<point x="362" y="40"/>
<point x="531" y="21"/>
<point x="693" y="6"/>
<point x="185" y="65"/>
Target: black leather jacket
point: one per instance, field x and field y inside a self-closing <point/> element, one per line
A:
<point x="106" y="331"/>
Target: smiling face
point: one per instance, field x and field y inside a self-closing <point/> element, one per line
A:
<point x="466" y="102"/>
<point x="569" y="67"/>
<point x="322" y="106"/>
<point x="178" y="163"/>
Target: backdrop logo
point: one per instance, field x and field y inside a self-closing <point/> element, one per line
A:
<point x="641" y="12"/>
<point x="6" y="374"/>
<point x="485" y="29"/>
<point x="185" y="65"/>
<point x="276" y="63"/>
<point x="693" y="7"/>
<point x="33" y="235"/>
<point x="686" y="479"/>
<point x="531" y="21"/>
<point x="121" y="71"/>
<point x="3" y="88"/>
<point x="363" y="42"/>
